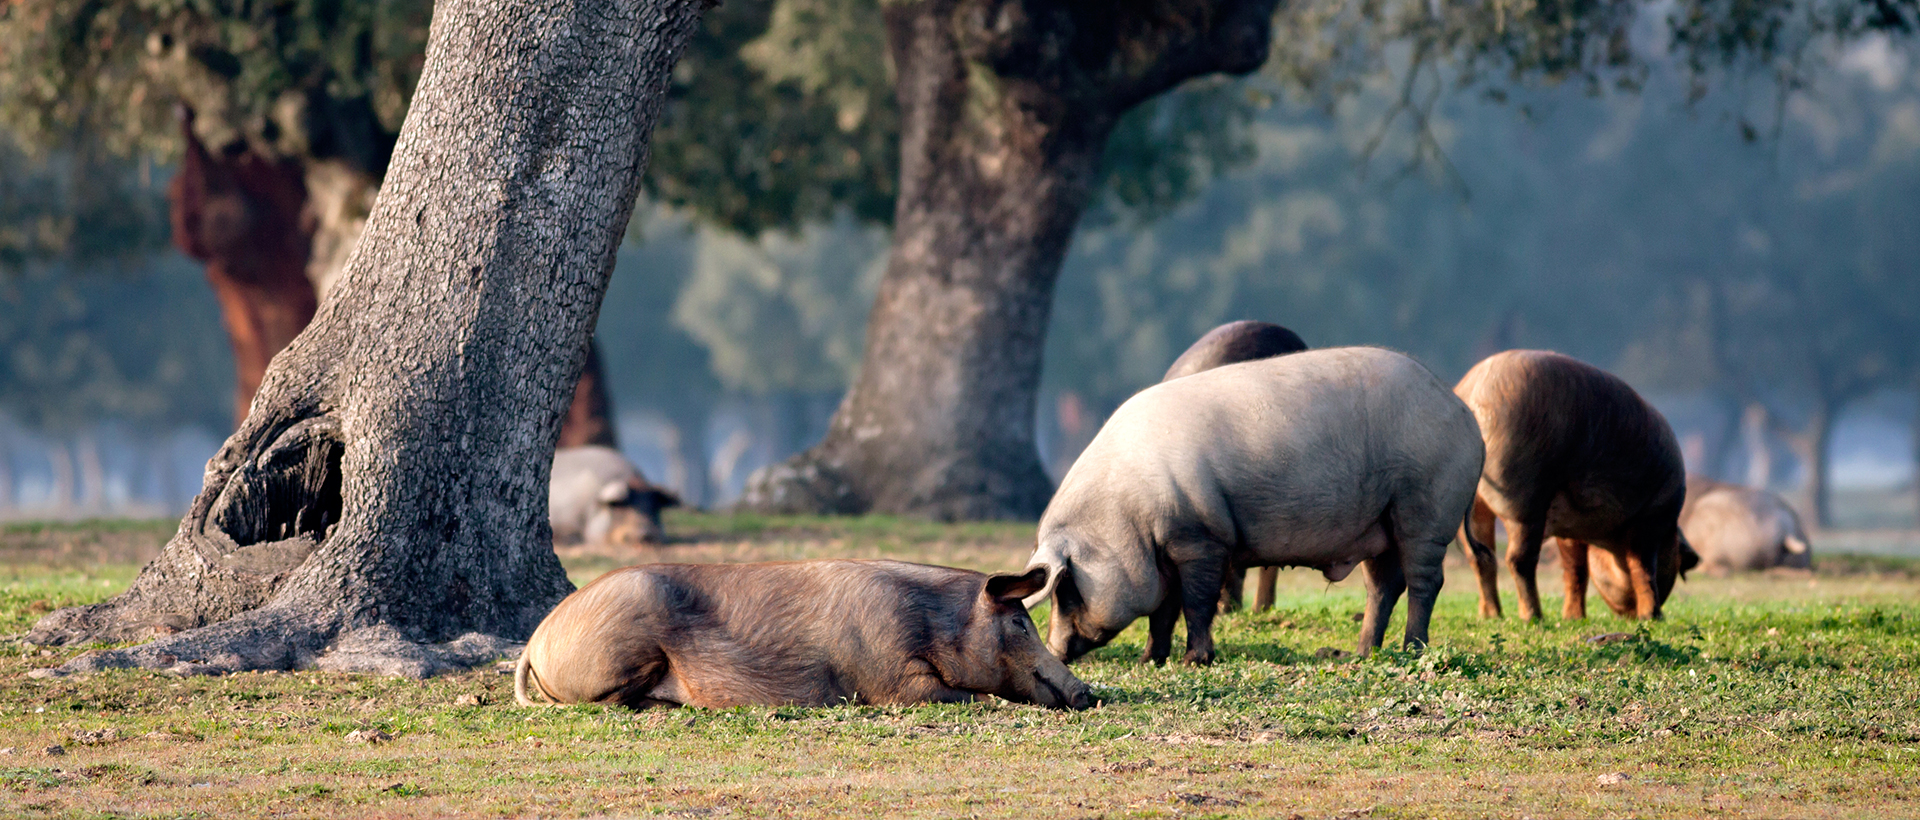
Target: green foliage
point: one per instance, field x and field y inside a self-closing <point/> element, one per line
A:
<point x="781" y="113"/>
<point x="286" y="76"/>
<point x="783" y="314"/>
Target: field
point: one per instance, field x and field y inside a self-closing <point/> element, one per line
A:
<point x="1768" y="696"/>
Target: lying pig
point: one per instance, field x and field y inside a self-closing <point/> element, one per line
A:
<point x="1574" y="454"/>
<point x="1231" y="343"/>
<point x="1327" y="459"/>
<point x="809" y="633"/>
<point x="1738" y="528"/>
<point x="597" y="496"/>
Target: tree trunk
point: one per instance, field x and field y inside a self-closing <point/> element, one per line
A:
<point x="60" y="461"/>
<point x="1005" y="110"/>
<point x="589" y="418"/>
<point x="687" y="455"/>
<point x="384" y="506"/>
<point x="275" y="235"/>
<point x="1811" y="446"/>
<point x="241" y="213"/>
<point x="1754" y="428"/>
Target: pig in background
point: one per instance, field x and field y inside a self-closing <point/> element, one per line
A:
<point x="598" y="497"/>
<point x="1329" y="459"/>
<point x="804" y="633"/>
<point x="1738" y="529"/>
<point x="1232" y="343"/>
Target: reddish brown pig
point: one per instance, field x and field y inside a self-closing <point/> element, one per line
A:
<point x="1574" y="454"/>
<point x="811" y="633"/>
<point x="1231" y="343"/>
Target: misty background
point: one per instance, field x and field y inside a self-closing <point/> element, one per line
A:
<point x="1744" y="257"/>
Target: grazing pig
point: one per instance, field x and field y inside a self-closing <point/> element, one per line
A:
<point x="1327" y="459"/>
<point x="1574" y="454"/>
<point x="809" y="633"/>
<point x="597" y="496"/>
<point x="1232" y="343"/>
<point x="1739" y="528"/>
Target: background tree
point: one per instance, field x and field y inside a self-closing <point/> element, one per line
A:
<point x="383" y="506"/>
<point x="282" y="116"/>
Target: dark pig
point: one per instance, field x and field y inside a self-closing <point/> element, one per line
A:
<point x="596" y="495"/>
<point x="1329" y="459"/>
<point x="1574" y="454"/>
<point x="1234" y="342"/>
<point x="808" y="633"/>
<point x="1738" y="528"/>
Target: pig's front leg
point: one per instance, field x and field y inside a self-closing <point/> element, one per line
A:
<point x="1201" y="564"/>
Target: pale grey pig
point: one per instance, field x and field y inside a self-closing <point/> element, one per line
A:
<point x="1738" y="528"/>
<point x="1234" y="342"/>
<point x="808" y="633"/>
<point x="596" y="495"/>
<point x="1328" y="459"/>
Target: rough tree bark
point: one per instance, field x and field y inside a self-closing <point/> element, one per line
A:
<point x="383" y="508"/>
<point x="1005" y="108"/>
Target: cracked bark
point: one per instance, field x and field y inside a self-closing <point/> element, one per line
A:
<point x="383" y="507"/>
<point x="1005" y="109"/>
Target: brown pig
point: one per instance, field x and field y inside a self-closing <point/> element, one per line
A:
<point x="808" y="633"/>
<point x="1231" y="343"/>
<point x="1574" y="454"/>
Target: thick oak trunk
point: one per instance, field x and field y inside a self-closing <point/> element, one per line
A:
<point x="383" y="508"/>
<point x="242" y="213"/>
<point x="1005" y="110"/>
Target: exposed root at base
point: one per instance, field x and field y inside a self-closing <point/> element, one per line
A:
<point x="266" y="640"/>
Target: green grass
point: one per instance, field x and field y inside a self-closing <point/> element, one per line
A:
<point x="1760" y="695"/>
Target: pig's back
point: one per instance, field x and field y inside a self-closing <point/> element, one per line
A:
<point x="1271" y="448"/>
<point x="1560" y="430"/>
<point x="1737" y="528"/>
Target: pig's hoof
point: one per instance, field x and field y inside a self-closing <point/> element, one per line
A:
<point x="1199" y="658"/>
<point x="1147" y="657"/>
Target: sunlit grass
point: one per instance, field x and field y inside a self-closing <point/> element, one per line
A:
<point x="1761" y="695"/>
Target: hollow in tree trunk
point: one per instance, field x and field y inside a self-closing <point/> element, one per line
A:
<point x="383" y="508"/>
<point x="1005" y="110"/>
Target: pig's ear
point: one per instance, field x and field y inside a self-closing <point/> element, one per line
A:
<point x="1688" y="557"/>
<point x="662" y="499"/>
<point x="1010" y="589"/>
<point x="614" y="492"/>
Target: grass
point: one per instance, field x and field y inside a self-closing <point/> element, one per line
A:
<point x="1759" y="695"/>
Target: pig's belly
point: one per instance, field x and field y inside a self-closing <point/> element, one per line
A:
<point x="1333" y="551"/>
<point x="714" y="682"/>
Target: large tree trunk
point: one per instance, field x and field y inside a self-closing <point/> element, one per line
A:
<point x="1005" y="109"/>
<point x="242" y="213"/>
<point x="383" y="508"/>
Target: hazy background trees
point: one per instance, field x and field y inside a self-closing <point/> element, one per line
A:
<point x="1743" y="254"/>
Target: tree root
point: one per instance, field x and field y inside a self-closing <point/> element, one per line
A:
<point x="274" y="639"/>
<point x="801" y="485"/>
